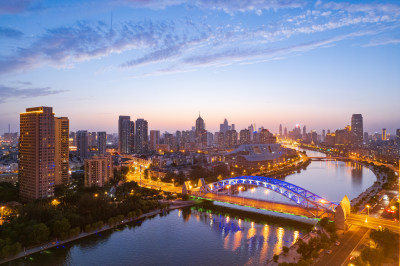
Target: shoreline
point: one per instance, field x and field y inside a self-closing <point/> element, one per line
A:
<point x="293" y="250"/>
<point x="50" y="244"/>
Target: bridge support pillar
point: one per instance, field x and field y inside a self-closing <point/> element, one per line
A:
<point x="341" y="212"/>
<point x="185" y="188"/>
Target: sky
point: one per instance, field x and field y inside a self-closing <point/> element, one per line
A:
<point x="288" y="62"/>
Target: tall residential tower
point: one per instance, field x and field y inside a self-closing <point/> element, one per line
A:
<point x="36" y="153"/>
<point x="61" y="157"/>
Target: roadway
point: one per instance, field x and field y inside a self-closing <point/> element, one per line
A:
<point x="373" y="223"/>
<point x="261" y="204"/>
<point x="167" y="187"/>
<point x="348" y="243"/>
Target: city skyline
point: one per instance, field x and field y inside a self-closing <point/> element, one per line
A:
<point x="311" y="63"/>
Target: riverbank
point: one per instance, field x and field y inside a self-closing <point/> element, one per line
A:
<point x="359" y="202"/>
<point x="174" y="205"/>
<point x="291" y="255"/>
<point x="288" y="171"/>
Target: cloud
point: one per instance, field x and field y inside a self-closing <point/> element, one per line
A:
<point x="364" y="8"/>
<point x="14" y="6"/>
<point x="7" y="93"/>
<point x="83" y="41"/>
<point x="10" y="33"/>
<point x="186" y="41"/>
<point x="228" y="6"/>
<point x="382" y="41"/>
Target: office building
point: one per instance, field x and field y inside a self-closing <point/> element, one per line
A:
<point x="357" y="130"/>
<point x="36" y="153"/>
<point x="61" y="147"/>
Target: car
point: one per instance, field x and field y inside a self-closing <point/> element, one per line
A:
<point x="337" y="243"/>
<point x="328" y="251"/>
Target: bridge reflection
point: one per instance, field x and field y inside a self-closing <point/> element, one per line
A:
<point x="257" y="241"/>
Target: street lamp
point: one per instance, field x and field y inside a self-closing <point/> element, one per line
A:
<point x="2" y="208"/>
<point x="366" y="219"/>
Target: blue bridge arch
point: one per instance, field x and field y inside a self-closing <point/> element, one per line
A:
<point x="300" y="196"/>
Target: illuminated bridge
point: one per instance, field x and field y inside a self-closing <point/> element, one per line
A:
<point x="305" y="202"/>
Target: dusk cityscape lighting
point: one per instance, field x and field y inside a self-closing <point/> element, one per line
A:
<point x="199" y="132"/>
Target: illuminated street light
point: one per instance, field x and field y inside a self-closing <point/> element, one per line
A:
<point x="96" y="195"/>
<point x="366" y="219"/>
<point x="2" y="208"/>
<point x="54" y="202"/>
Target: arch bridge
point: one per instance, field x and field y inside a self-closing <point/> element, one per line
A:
<point x="305" y="202"/>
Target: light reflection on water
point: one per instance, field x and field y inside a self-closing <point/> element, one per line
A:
<point x="331" y="180"/>
<point x="186" y="237"/>
<point x="191" y="237"/>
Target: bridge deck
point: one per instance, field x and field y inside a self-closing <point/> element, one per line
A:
<point x="267" y="205"/>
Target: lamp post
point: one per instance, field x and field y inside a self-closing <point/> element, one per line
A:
<point x="2" y="208"/>
<point x="140" y="179"/>
<point x="366" y="219"/>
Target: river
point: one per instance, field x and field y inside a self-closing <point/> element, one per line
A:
<point x="193" y="236"/>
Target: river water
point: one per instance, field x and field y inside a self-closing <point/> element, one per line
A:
<point x="199" y="237"/>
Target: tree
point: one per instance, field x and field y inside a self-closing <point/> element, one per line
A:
<point x="285" y="249"/>
<point x="372" y="255"/>
<point x="40" y="233"/>
<point x="61" y="228"/>
<point x="385" y="239"/>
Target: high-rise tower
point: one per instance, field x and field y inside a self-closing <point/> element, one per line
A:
<point x="36" y="153"/>
<point x="101" y="142"/>
<point x="141" y="136"/>
<point x="82" y="145"/>
<point x="357" y="130"/>
<point x="61" y="155"/>
<point x="125" y="134"/>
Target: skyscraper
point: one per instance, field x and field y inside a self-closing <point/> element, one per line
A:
<point x="200" y="125"/>
<point x="125" y="129"/>
<point x="357" y="130"/>
<point x="82" y="146"/>
<point x="141" y="136"/>
<point x="384" y="134"/>
<point x="154" y="139"/>
<point x="61" y="155"/>
<point x="36" y="153"/>
<point x="101" y="142"/>
<point x="224" y="127"/>
<point x="200" y="132"/>
<point x="280" y="130"/>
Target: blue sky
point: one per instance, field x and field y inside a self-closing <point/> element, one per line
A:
<point x="254" y="61"/>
